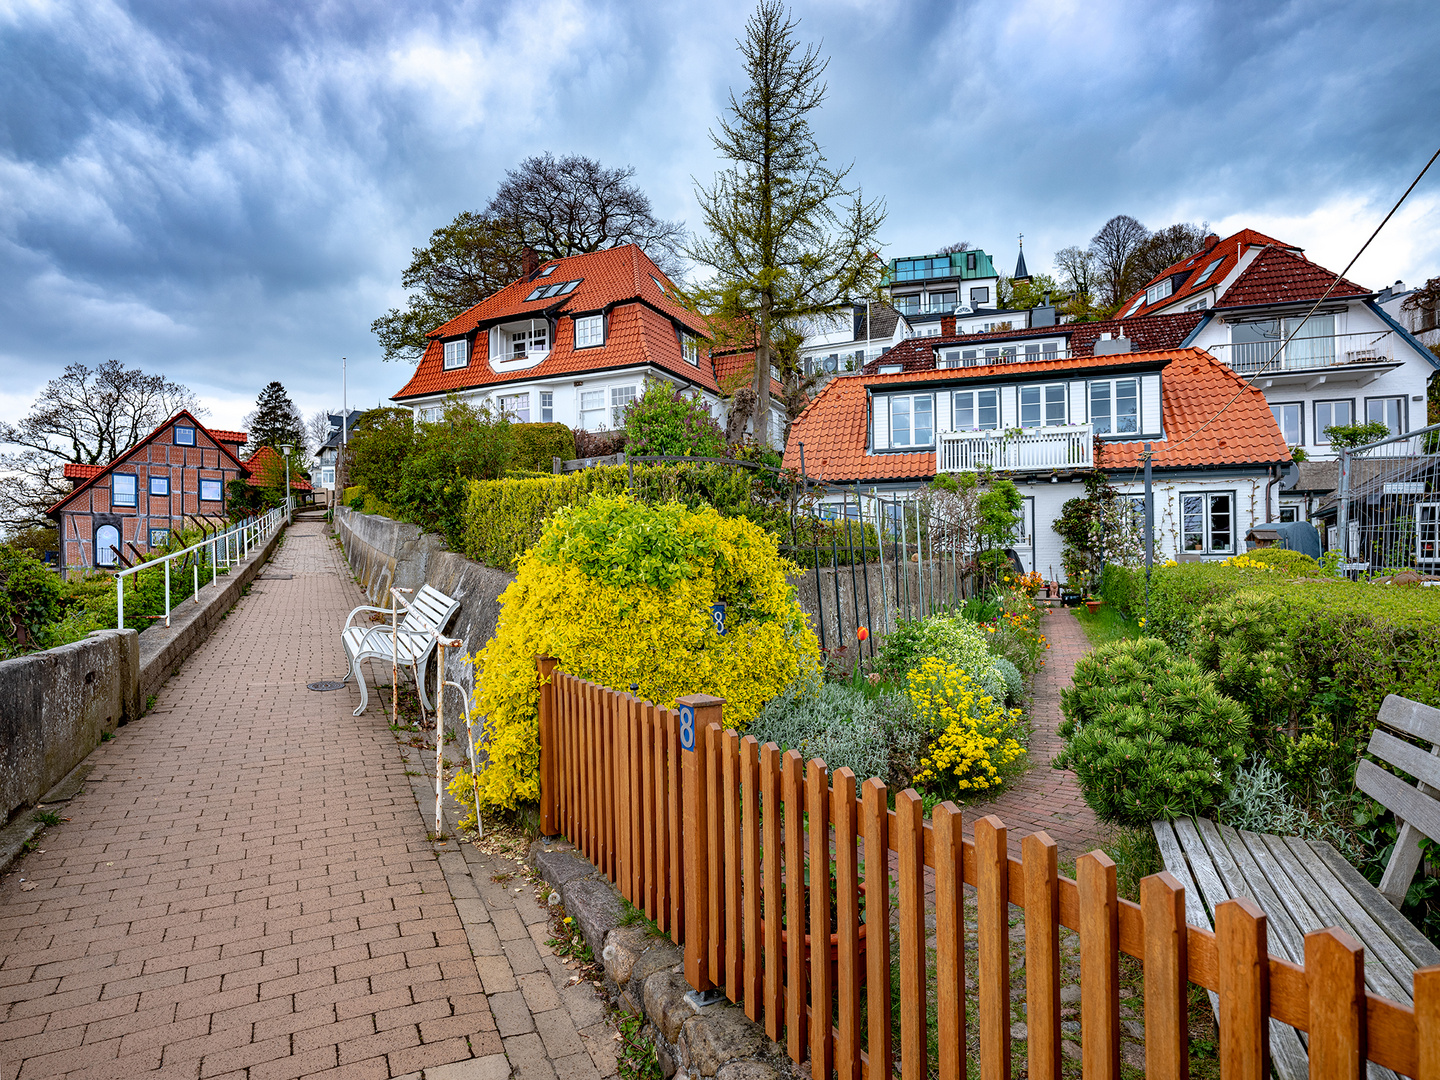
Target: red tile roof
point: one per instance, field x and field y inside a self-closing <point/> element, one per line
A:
<point x="731" y="364"/>
<point x="267" y="457"/>
<point x="82" y="472"/>
<point x="1229" y="251"/>
<point x="641" y="329"/>
<point x="234" y="438"/>
<point x="1146" y="334"/>
<point x="1195" y="388"/>
<point x="1278" y="276"/>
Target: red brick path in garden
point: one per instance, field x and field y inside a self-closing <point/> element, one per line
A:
<point x="1047" y="799"/>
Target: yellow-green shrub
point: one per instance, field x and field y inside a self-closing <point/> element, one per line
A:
<point x="976" y="742"/>
<point x="619" y="593"/>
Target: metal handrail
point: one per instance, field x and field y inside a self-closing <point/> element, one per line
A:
<point x="239" y="539"/>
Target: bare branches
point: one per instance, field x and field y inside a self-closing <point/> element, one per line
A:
<point x="84" y="416"/>
<point x="1113" y="249"/>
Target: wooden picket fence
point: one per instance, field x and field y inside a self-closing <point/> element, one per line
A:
<point x="715" y="845"/>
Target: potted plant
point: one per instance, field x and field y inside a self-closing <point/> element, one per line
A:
<point x="1093" y="603"/>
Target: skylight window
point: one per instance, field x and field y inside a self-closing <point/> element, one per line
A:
<point x="549" y="270"/>
<point x="1139" y="300"/>
<point x="569" y="287"/>
<point x="1208" y="271"/>
<point x="544" y="292"/>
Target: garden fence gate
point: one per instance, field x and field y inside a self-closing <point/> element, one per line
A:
<point x="732" y="848"/>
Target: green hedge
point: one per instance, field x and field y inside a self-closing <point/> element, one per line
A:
<point x="537" y="445"/>
<point x="1359" y="640"/>
<point x="504" y="518"/>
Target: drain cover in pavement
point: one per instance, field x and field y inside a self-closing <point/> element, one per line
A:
<point x="325" y="684"/>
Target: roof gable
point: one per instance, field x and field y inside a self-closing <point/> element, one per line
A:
<point x="1279" y="276"/>
<point x="1207" y="269"/>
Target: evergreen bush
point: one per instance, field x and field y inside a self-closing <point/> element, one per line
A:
<point x="1148" y="734"/>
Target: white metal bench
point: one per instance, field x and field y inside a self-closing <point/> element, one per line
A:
<point x="410" y="645"/>
<point x="1305" y="885"/>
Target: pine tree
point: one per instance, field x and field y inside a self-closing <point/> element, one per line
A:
<point x="788" y="241"/>
<point x="276" y="421"/>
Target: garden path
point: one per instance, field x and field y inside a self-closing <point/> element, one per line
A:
<point x="1044" y="798"/>
<point x="245" y="888"/>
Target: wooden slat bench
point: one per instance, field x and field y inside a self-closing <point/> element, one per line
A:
<point x="1305" y="885"/>
<point x="410" y="646"/>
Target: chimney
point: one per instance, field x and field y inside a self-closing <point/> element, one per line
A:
<point x="1209" y="242"/>
<point x="947" y="325"/>
<point x="529" y="262"/>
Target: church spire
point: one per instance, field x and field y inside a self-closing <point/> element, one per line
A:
<point x="1021" y="273"/>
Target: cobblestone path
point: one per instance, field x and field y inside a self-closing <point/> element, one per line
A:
<point x="245" y="888"/>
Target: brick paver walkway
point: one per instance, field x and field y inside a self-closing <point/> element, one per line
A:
<point x="1045" y="798"/>
<point x="245" y="887"/>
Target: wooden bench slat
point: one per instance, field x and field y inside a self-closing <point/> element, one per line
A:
<point x="1407" y="803"/>
<point x="1282" y="923"/>
<point x="1414" y="944"/>
<point x="1387" y="969"/>
<point x="1407" y="757"/>
<point x="1203" y="867"/>
<point x="1411" y="717"/>
<point x="1173" y="856"/>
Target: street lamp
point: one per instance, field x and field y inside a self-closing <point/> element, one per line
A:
<point x="287" y="447"/>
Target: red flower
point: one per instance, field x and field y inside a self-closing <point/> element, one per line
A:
<point x="862" y="633"/>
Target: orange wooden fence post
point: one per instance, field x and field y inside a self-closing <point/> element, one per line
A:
<point x="697" y="712"/>
<point x="1427" y="1022"/>
<point x="545" y="666"/>
<point x="847" y="923"/>
<point x="770" y="842"/>
<point x="1335" y="973"/>
<point x="909" y="837"/>
<point x="1167" y="973"/>
<point x="1241" y="942"/>
<point x="817" y="792"/>
<point x="752" y="981"/>
<point x="877" y="915"/>
<point x="1099" y="967"/>
<point x="992" y="884"/>
<point x="1042" y="954"/>
<point x="949" y="940"/>
<point x="793" y="779"/>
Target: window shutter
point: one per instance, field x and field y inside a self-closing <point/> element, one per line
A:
<point x="1079" y="403"/>
<point x="1151" y="416"/>
<point x="1009" y="414"/>
<point x="882" y="422"/>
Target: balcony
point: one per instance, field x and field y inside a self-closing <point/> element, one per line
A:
<point x="1306" y="354"/>
<point x="1034" y="450"/>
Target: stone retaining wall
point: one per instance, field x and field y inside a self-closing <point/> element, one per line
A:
<point x="646" y="974"/>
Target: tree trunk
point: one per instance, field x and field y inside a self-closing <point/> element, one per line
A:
<point x="762" y="375"/>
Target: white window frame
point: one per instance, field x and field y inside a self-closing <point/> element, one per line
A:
<point x="1399" y="400"/>
<point x="596" y="409"/>
<point x="516" y="406"/>
<point x="975" y="407"/>
<point x="107" y="554"/>
<point x="910" y="401"/>
<point x="164" y="538"/>
<point x="690" y="349"/>
<point x="163" y="481"/>
<point x="181" y="431"/>
<point x="1159" y="291"/>
<point x="1320" y="437"/>
<point x="219" y="489"/>
<point x="119" y="481"/>
<point x="1206" y="522"/>
<point x="327" y="477"/>
<point x="620" y="396"/>
<point x="537" y="334"/>
<point x="1427" y="532"/>
<point x="457" y="354"/>
<point x="589" y="331"/>
<point x="547" y="406"/>
<point x="1112" y="393"/>
<point x="1044" y="403"/>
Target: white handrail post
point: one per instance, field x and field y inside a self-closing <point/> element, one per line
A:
<point x="119" y="602"/>
<point x="196" y="568"/>
<point x="166" y="561"/>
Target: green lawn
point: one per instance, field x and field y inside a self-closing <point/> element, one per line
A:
<point x="1106" y="625"/>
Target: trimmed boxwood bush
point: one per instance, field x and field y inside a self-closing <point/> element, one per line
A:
<point x="1148" y="734"/>
<point x="537" y="445"/>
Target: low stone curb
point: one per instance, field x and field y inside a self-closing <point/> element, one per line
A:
<point x="646" y="974"/>
<point x="24" y="828"/>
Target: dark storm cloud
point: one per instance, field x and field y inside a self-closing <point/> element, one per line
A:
<point x="228" y="192"/>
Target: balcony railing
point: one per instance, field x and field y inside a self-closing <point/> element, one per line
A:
<point x="984" y="356"/>
<point x="1304" y="353"/>
<point x="1039" y="449"/>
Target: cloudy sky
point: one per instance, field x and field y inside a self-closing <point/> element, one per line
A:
<point x="228" y="192"/>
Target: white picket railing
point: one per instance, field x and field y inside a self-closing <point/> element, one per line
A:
<point x="227" y="548"/>
<point x="1068" y="447"/>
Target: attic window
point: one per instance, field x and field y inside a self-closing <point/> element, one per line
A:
<point x="184" y="436"/>
<point x="691" y="349"/>
<point x="891" y="369"/>
<point x="1139" y="300"/>
<point x="543" y="292"/>
<point x="457" y="354"/>
<point x="1159" y="291"/>
<point x="549" y="270"/>
<point x="1208" y="271"/>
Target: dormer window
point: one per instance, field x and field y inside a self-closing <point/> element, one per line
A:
<point x="534" y="340"/>
<point x="457" y="354"/>
<point x="1159" y="291"/>
<point x="589" y="331"/>
<point x="691" y="348"/>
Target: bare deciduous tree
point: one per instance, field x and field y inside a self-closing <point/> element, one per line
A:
<point x="317" y="431"/>
<point x="951" y="249"/>
<point x="1114" y="249"/>
<point x="1168" y="246"/>
<point x="574" y="205"/>
<point x="85" y="416"/>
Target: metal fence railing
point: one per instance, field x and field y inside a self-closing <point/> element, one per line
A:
<point x="226" y="549"/>
<point x="1388" y="504"/>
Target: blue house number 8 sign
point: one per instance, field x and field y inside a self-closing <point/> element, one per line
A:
<point x="717" y="613"/>
<point x="687" y="727"/>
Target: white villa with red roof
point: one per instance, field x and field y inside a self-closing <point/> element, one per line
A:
<point x="571" y="342"/>
<point x="1350" y="363"/>
<point x="1042" y="418"/>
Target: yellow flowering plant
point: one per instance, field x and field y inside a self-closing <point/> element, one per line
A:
<point x="977" y="742"/>
<point x="620" y="593"/>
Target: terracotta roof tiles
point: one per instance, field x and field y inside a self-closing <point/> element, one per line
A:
<point x="1278" y="276"/>
<point x="1228" y="252"/>
<point x="82" y="472"/>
